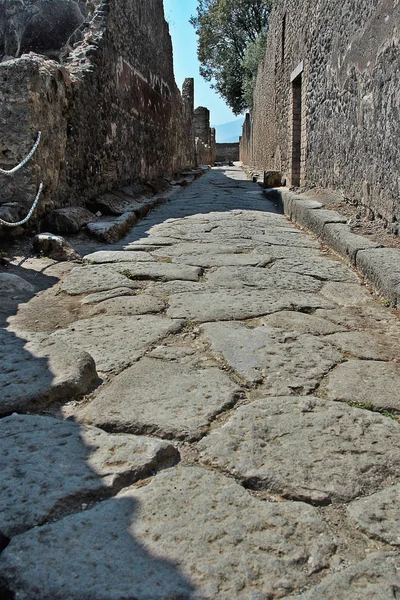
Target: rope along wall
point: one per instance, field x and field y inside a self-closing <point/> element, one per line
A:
<point x="14" y="170"/>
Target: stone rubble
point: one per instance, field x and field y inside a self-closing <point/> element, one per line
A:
<point x="217" y="417"/>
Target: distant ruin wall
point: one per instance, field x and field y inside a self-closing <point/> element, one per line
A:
<point x="227" y="152"/>
<point x="327" y="100"/>
<point x="112" y="113"/>
<point x="204" y="137"/>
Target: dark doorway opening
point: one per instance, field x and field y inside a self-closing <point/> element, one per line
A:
<point x="296" y="130"/>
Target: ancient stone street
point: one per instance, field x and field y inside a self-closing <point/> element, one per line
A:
<point x="204" y="410"/>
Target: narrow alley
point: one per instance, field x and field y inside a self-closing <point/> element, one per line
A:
<point x="205" y="410"/>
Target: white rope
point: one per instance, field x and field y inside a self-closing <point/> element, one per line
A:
<point x="28" y="216"/>
<point x="21" y="164"/>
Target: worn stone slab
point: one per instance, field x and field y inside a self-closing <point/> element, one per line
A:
<point x="320" y="267"/>
<point x="242" y="277"/>
<point x="169" y="399"/>
<point x="219" y="260"/>
<point x="367" y="317"/>
<point x="14" y="285"/>
<point x="306" y="448"/>
<point x="37" y="372"/>
<point x="166" y="289"/>
<point x="378" y="515"/>
<point x="367" y="345"/>
<point x="340" y="238"/>
<point x="161" y="271"/>
<point x="183" y="249"/>
<point x="113" y="229"/>
<point x="153" y="544"/>
<point x="45" y="462"/>
<point x="108" y="295"/>
<point x="382" y="267"/>
<point x="290" y="320"/>
<point x="129" y="306"/>
<point x="114" y="256"/>
<point x="375" y="578"/>
<point x="299" y="239"/>
<point x="91" y="279"/>
<point x="283" y="363"/>
<point x="366" y="381"/>
<point x="229" y="305"/>
<point x="115" y="342"/>
<point x="346" y="294"/>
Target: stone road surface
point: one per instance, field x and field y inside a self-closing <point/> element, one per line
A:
<point x="205" y="410"/>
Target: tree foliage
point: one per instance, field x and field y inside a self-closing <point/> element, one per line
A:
<point x="231" y="38"/>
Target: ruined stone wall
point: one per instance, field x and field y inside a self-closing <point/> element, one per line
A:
<point x="327" y="100"/>
<point x="112" y="113"/>
<point x="227" y="152"/>
<point x="205" y="137"/>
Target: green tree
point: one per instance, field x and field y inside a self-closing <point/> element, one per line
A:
<point x="231" y="34"/>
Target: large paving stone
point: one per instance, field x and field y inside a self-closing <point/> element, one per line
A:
<point x="98" y="278"/>
<point x="283" y="363"/>
<point x="379" y="515"/>
<point x="219" y="260"/>
<point x="375" y="578"/>
<point x="113" y="256"/>
<point x="242" y="277"/>
<point x="229" y="305"/>
<point x="306" y="449"/>
<point x="346" y="294"/>
<point x="37" y="372"/>
<point x="299" y="239"/>
<point x="367" y="317"/>
<point x="92" y="279"/>
<point x="321" y="268"/>
<point x="45" y="463"/>
<point x="115" y="342"/>
<point x="169" y="399"/>
<point x="129" y="305"/>
<point x="181" y="250"/>
<point x="366" y="381"/>
<point x="189" y="534"/>
<point x="367" y="345"/>
<point x="290" y="320"/>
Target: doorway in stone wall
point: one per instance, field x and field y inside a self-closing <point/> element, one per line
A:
<point x="296" y="130"/>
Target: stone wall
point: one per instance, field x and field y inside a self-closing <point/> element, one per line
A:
<point x="227" y="152"/>
<point x="205" y="137"/>
<point x="327" y="100"/>
<point x="110" y="114"/>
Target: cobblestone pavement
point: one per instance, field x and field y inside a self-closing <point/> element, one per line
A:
<point x="205" y="410"/>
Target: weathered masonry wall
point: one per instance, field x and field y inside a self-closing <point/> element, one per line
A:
<point x="204" y="137"/>
<point x="327" y="100"/>
<point x="227" y="152"/>
<point x="111" y="113"/>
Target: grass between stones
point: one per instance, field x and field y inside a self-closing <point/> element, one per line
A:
<point x="369" y="406"/>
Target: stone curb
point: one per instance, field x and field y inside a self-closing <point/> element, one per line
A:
<point x="379" y="265"/>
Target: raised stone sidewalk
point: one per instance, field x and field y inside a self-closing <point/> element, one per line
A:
<point x="207" y="410"/>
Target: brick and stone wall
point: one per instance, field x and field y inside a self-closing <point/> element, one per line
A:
<point x="227" y="152"/>
<point x="110" y="114"/>
<point x="327" y="100"/>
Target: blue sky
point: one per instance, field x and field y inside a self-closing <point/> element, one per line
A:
<point x="178" y="13"/>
